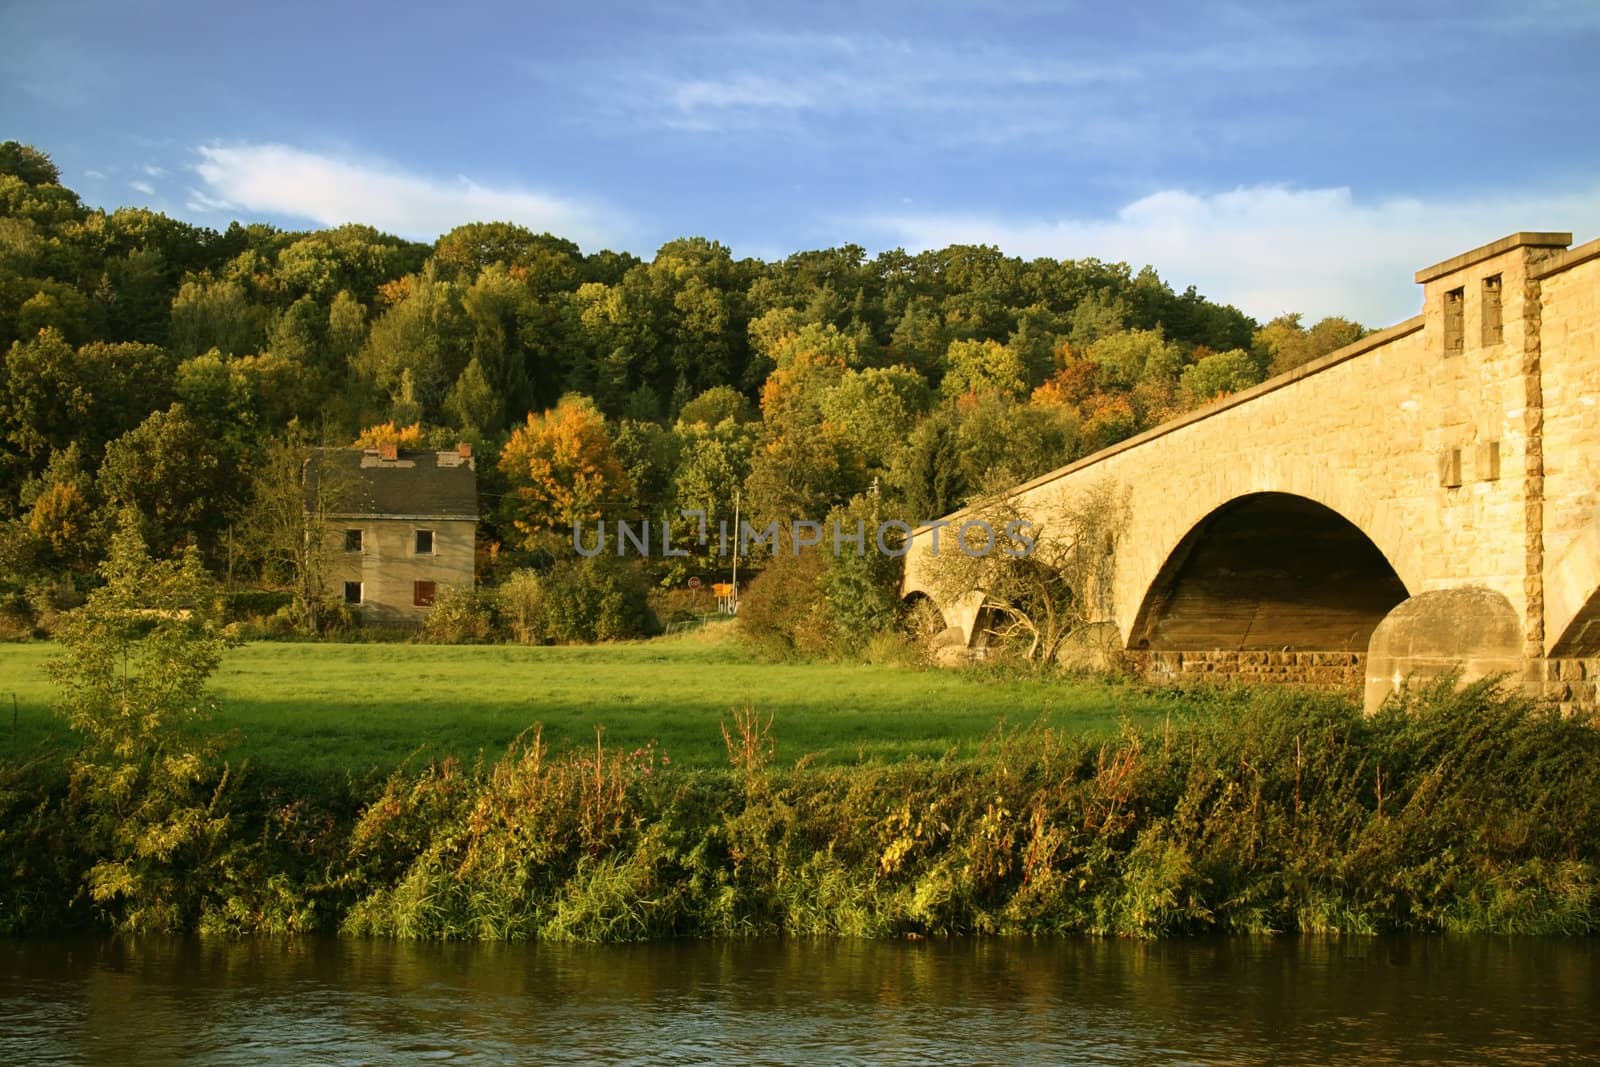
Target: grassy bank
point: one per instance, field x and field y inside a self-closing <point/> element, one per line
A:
<point x="328" y="709"/>
<point x="1259" y="812"/>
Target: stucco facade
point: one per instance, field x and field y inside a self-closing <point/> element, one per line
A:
<point x="401" y="527"/>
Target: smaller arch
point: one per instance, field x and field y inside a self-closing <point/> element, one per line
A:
<point x="1268" y="572"/>
<point x="1572" y="598"/>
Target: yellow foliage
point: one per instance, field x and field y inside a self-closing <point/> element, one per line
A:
<point x="388" y="433"/>
<point x="562" y="469"/>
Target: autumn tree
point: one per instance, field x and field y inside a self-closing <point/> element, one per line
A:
<point x="562" y="470"/>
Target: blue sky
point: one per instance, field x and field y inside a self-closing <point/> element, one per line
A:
<point x="1279" y="156"/>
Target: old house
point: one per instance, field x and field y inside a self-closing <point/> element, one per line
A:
<point x="399" y="526"/>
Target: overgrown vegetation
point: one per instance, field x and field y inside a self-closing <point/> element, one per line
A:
<point x="1259" y="812"/>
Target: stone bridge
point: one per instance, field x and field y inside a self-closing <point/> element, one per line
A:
<point x="1425" y="499"/>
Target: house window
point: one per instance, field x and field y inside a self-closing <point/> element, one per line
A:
<point x="352" y="540"/>
<point x="424" y="542"/>
<point x="422" y="594"/>
<point x="1493" y="331"/>
<point x="352" y="592"/>
<point x="1454" y="329"/>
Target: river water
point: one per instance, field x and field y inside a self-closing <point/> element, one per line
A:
<point x="1234" y="1001"/>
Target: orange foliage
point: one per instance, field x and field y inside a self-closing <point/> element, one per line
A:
<point x="562" y="469"/>
<point x="787" y="387"/>
<point x="395" y="290"/>
<point x="1068" y="387"/>
<point x="388" y="433"/>
<point x="61" y="519"/>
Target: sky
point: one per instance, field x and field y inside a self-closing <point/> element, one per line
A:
<point x="1278" y="156"/>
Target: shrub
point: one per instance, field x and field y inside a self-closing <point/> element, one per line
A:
<point x="521" y="603"/>
<point x="597" y="599"/>
<point x="458" y="617"/>
<point x="784" y="610"/>
<point x="252" y="605"/>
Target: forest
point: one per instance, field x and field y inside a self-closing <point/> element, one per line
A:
<point x="169" y="375"/>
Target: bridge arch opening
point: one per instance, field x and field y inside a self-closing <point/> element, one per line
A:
<point x="1269" y="572"/>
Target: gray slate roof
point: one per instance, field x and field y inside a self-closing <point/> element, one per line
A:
<point x="428" y="484"/>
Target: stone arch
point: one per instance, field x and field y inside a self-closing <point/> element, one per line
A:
<point x="1572" y="598"/>
<point x="1162" y="520"/>
<point x="1270" y="572"/>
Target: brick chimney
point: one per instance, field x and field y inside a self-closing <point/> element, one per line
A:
<point x="388" y="450"/>
<point x="464" y="450"/>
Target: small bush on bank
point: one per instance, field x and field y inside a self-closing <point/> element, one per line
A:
<point x="458" y="617"/>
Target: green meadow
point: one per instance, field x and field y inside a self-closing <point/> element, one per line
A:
<point x="320" y="708"/>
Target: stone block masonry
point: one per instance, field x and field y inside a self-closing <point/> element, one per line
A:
<point x="1425" y="500"/>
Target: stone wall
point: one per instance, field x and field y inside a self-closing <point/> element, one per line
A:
<point x="1343" y="672"/>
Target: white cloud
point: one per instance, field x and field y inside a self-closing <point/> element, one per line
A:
<point x="746" y="91"/>
<point x="153" y="170"/>
<point x="144" y="187"/>
<point x="92" y="173"/>
<point x="331" y="191"/>
<point x="1269" y="249"/>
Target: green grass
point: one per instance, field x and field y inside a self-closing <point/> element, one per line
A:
<point x="320" y="708"/>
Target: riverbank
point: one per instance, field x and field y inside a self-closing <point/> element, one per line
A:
<point x="1261" y="811"/>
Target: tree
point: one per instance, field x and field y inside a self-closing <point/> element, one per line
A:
<point x="983" y="368"/>
<point x="135" y="661"/>
<point x="62" y="523"/>
<point x="29" y="164"/>
<point x="714" y="405"/>
<point x="419" y="347"/>
<point x="387" y="433"/>
<point x="562" y="470"/>
<point x="214" y="314"/>
<point x="713" y="465"/>
<point x="472" y="405"/>
<point x="1128" y="357"/>
<point x="287" y="527"/>
<point x="465" y="251"/>
<point x="926" y="479"/>
<point x="1219" y="374"/>
<point x="1283" y="344"/>
<point x="180" y="479"/>
<point x="876" y="408"/>
<point x="1038" y="599"/>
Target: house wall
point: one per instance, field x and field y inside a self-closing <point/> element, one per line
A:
<point x="388" y="564"/>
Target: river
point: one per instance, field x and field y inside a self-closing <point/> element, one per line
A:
<point x="1412" y="1000"/>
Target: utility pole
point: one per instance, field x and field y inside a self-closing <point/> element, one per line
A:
<point x="736" y="551"/>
